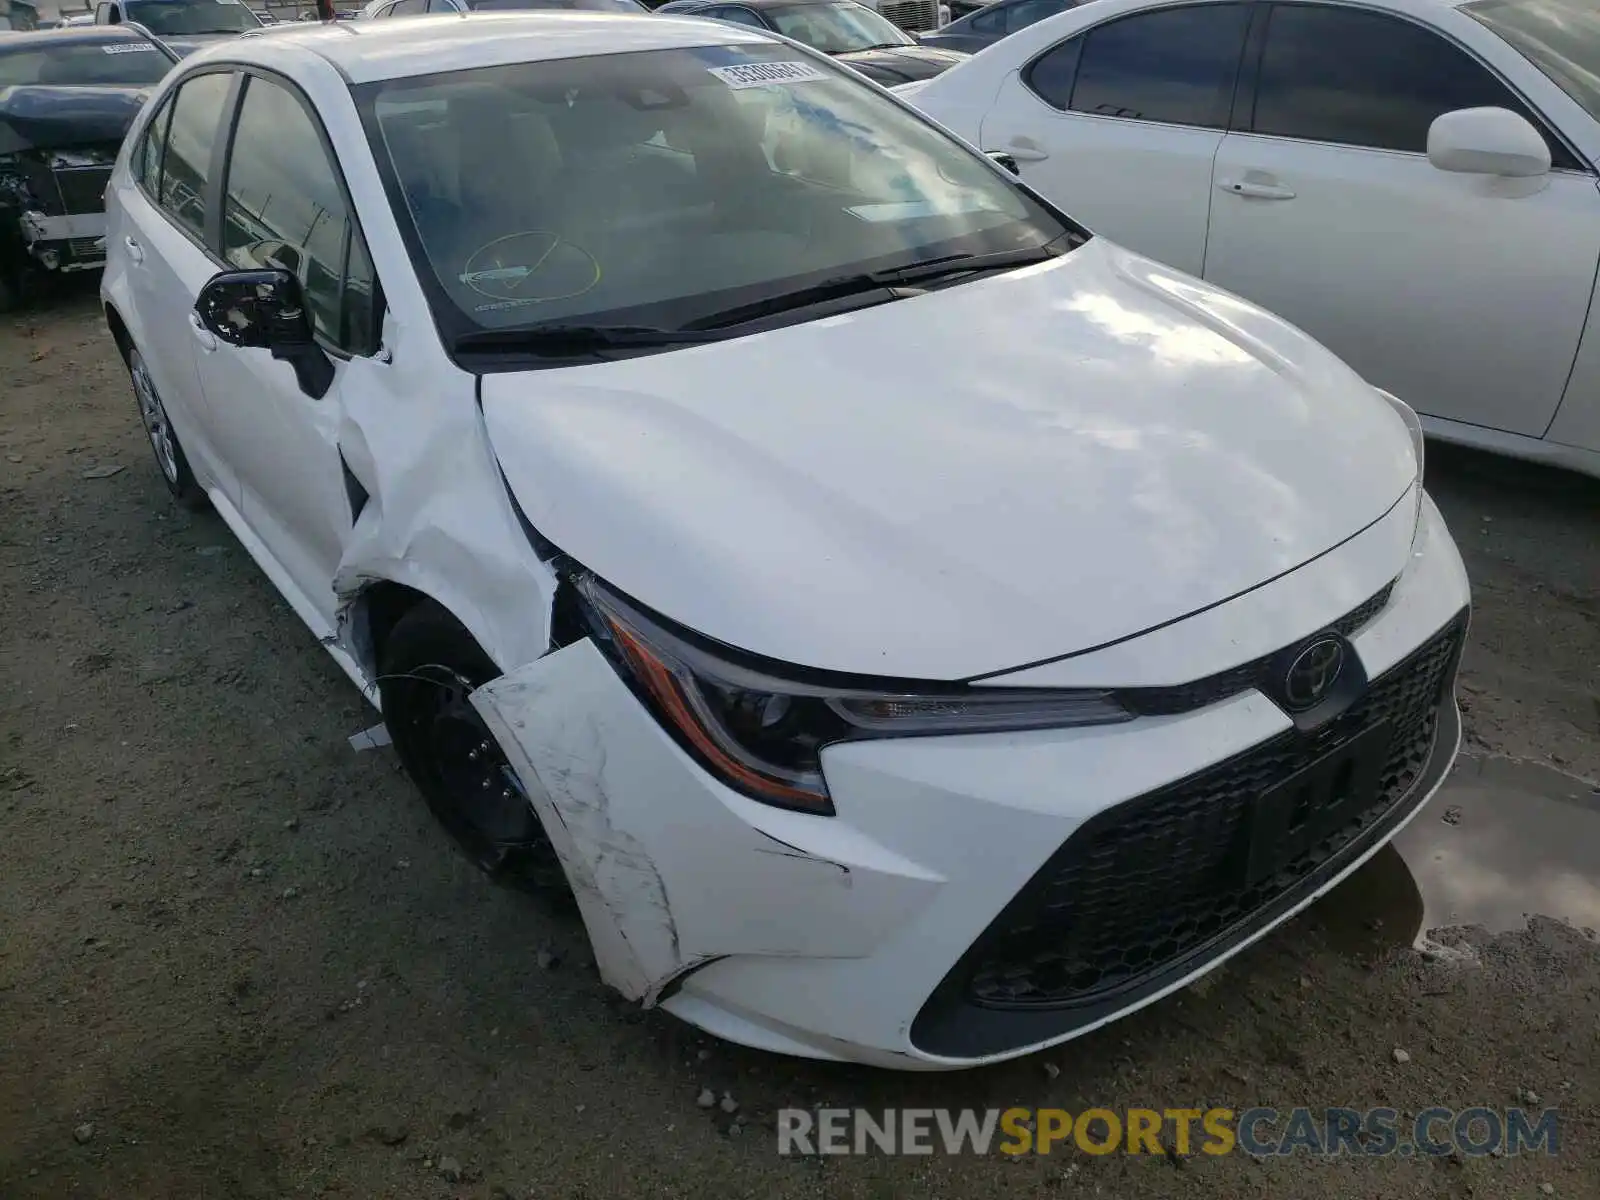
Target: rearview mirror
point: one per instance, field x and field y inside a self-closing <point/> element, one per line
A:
<point x="1487" y="141"/>
<point x="264" y="310"/>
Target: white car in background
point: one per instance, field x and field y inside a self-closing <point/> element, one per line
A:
<point x="906" y="708"/>
<point x="1410" y="181"/>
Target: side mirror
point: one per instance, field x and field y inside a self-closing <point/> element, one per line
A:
<point x="1487" y="141"/>
<point x="1005" y="160"/>
<point x="264" y="310"/>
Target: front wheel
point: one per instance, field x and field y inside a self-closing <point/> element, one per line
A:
<point x="430" y="666"/>
<point x="163" y="438"/>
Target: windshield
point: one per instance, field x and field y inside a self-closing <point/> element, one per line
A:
<point x="659" y="187"/>
<point x="1560" y="37"/>
<point x="836" y="28"/>
<point x="84" y="64"/>
<point x="192" y="16"/>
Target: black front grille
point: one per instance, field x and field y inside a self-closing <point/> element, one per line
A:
<point x="83" y="189"/>
<point x="1158" y="879"/>
<point x="1186" y="697"/>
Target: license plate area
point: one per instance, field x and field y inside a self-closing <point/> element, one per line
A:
<point x="1291" y="817"/>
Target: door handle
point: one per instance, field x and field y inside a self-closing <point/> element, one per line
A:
<point x="135" y="251"/>
<point x="1025" y="152"/>
<point x="1255" y="189"/>
<point x="207" y="340"/>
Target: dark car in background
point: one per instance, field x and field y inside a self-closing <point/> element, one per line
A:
<point x="67" y="97"/>
<point x="184" y="25"/>
<point x="982" y="27"/>
<point x="856" y="35"/>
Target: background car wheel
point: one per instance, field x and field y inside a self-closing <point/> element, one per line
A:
<point x="429" y="666"/>
<point x="163" y="438"/>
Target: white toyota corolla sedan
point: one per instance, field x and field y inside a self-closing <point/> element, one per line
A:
<point x="1412" y="182"/>
<point x="916" y="631"/>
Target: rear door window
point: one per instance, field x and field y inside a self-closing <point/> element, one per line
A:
<point x="197" y="111"/>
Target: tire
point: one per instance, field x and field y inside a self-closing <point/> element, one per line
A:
<point x="428" y="666"/>
<point x="10" y="291"/>
<point x="163" y="438"/>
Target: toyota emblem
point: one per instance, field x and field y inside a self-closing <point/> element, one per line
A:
<point x="1313" y="673"/>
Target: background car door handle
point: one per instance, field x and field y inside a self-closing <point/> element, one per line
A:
<point x="204" y="336"/>
<point x="1255" y="189"/>
<point x="135" y="251"/>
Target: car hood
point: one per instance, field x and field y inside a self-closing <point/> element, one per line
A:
<point x="48" y="117"/>
<point x="1003" y="471"/>
<point x="890" y="65"/>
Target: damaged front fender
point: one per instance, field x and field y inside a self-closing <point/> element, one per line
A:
<point x="640" y="829"/>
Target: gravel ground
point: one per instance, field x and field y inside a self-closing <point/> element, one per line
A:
<point x="236" y="958"/>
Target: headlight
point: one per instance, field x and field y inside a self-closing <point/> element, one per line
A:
<point x="762" y="732"/>
<point x="1418" y="447"/>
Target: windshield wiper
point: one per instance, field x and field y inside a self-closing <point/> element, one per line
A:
<point x="929" y="269"/>
<point x="894" y="283"/>
<point x="560" y="341"/>
<point x="876" y="46"/>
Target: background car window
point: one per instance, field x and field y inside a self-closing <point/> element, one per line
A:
<point x="1051" y="74"/>
<point x="283" y="206"/>
<point x="87" y="63"/>
<point x="163" y="17"/>
<point x="406" y="8"/>
<point x="147" y="162"/>
<point x="443" y="6"/>
<point x="1364" y="79"/>
<point x="1176" y="65"/>
<point x="990" y="20"/>
<point x="739" y="16"/>
<point x="836" y="28"/>
<point x="1020" y="16"/>
<point x="191" y="134"/>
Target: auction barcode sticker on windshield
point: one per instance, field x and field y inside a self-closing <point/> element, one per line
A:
<point x="765" y="74"/>
<point x="128" y="48"/>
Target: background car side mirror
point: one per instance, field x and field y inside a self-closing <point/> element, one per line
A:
<point x="264" y="310"/>
<point x="1005" y="160"/>
<point x="1487" y="141"/>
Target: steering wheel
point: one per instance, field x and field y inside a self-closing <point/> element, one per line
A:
<point x="531" y="267"/>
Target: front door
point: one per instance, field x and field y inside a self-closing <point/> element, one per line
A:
<point x="283" y="205"/>
<point x="1119" y="124"/>
<point x="1464" y="295"/>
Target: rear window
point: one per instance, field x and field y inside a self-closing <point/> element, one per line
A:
<point x="120" y="63"/>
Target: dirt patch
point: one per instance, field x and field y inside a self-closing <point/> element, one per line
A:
<point x="236" y="958"/>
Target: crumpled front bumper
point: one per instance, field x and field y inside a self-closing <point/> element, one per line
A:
<point x="835" y="937"/>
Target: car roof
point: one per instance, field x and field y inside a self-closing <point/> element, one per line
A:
<point x="402" y="47"/>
